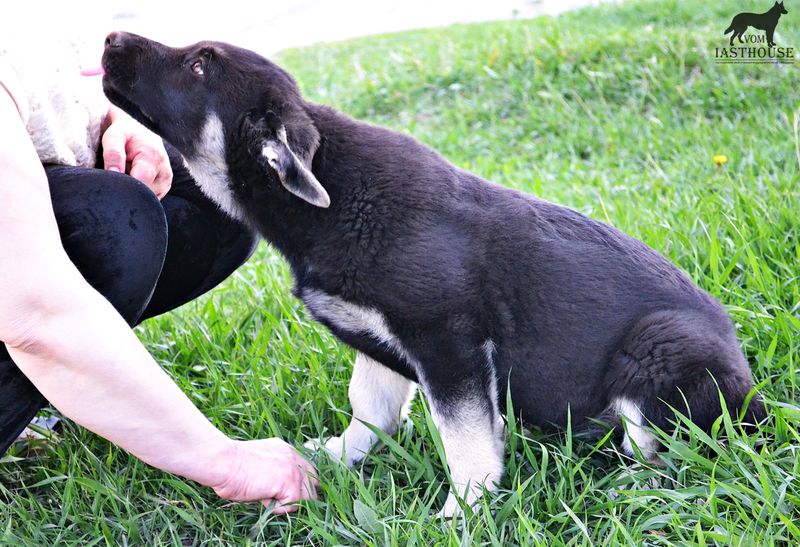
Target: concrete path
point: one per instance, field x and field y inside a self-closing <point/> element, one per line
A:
<point x="269" y="26"/>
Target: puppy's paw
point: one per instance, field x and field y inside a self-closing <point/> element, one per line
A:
<point x="635" y="478"/>
<point x="318" y="448"/>
<point x="334" y="449"/>
<point x="312" y="445"/>
<point x="338" y="449"/>
<point x="454" y="508"/>
<point x="451" y="509"/>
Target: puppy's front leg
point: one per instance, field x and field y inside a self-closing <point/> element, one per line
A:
<point x="379" y="396"/>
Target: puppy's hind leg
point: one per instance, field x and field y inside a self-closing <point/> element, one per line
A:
<point x="634" y="434"/>
<point x="380" y="397"/>
<point x="677" y="360"/>
<point x="473" y="443"/>
<point x="469" y="423"/>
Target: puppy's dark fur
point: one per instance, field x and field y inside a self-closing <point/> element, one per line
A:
<point x="457" y="284"/>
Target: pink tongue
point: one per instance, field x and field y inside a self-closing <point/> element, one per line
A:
<point x="93" y="71"/>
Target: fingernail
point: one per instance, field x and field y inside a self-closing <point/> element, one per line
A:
<point x="114" y="168"/>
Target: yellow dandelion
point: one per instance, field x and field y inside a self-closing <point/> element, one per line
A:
<point x="719" y="159"/>
<point x="493" y="57"/>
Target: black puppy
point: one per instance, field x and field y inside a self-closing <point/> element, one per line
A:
<point x="435" y="276"/>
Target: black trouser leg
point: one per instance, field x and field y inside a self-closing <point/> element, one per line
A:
<point x="19" y="401"/>
<point x="114" y="231"/>
<point x="205" y="245"/>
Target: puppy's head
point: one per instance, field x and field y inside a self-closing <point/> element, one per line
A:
<point x="210" y="99"/>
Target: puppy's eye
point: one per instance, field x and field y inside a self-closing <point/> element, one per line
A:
<point x="198" y="68"/>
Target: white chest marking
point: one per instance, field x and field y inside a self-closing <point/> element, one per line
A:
<point x="209" y="170"/>
<point x="354" y="318"/>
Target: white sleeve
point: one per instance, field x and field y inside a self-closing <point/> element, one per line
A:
<point x="62" y="110"/>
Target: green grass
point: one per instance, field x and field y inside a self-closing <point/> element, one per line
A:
<point x="613" y="111"/>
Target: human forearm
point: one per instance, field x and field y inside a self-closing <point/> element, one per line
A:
<point x="89" y="364"/>
<point x="84" y="358"/>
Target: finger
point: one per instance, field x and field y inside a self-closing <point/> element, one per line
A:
<point x="163" y="181"/>
<point x="307" y="488"/>
<point x="309" y="491"/>
<point x="312" y="481"/>
<point x="279" y="508"/>
<point x="309" y="471"/>
<point x="288" y="504"/>
<point x="114" y="157"/>
<point x="143" y="169"/>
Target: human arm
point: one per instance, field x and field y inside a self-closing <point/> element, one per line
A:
<point x="86" y="361"/>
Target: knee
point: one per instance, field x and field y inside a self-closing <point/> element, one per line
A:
<point x="204" y="248"/>
<point x="114" y="230"/>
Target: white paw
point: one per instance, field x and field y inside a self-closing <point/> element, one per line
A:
<point x="335" y="449"/>
<point x="332" y="447"/>
<point x="453" y="504"/>
<point x="320" y="449"/>
<point x="451" y="508"/>
<point x="630" y="479"/>
<point x="312" y="445"/>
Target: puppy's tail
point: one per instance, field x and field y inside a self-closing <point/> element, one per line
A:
<point x="730" y="28"/>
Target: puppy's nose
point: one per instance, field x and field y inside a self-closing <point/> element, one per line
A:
<point x="114" y="39"/>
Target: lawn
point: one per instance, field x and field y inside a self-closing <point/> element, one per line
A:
<point x="615" y="111"/>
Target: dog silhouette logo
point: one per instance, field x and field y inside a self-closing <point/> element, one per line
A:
<point x="766" y="21"/>
<point x="755" y="47"/>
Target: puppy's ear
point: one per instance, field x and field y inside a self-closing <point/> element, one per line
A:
<point x="288" y="155"/>
<point x="292" y="172"/>
<point x="265" y="133"/>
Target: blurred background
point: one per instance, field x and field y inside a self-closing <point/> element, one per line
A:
<point x="271" y="26"/>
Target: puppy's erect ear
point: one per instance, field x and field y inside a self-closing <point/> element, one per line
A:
<point x="292" y="172"/>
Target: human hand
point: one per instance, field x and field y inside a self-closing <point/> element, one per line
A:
<point x="269" y="471"/>
<point x="129" y="147"/>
